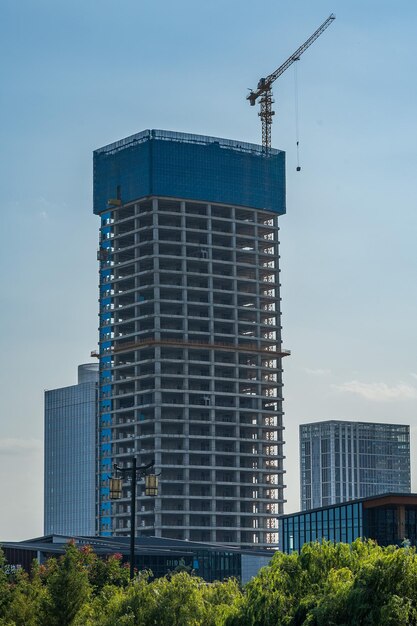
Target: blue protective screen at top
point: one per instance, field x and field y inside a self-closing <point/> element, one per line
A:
<point x="210" y="173"/>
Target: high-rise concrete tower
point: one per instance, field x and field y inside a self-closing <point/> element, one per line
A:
<point x="190" y="334"/>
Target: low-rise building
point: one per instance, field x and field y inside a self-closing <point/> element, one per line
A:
<point x="389" y="519"/>
<point x="160" y="555"/>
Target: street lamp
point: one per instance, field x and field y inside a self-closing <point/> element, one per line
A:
<point x="151" y="489"/>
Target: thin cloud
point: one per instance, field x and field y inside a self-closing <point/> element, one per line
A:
<point x="19" y="446"/>
<point x="317" y="372"/>
<point x="378" y="392"/>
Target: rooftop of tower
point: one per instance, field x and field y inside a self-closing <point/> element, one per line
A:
<point x="189" y="167"/>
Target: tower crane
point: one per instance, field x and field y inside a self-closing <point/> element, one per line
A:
<point x="264" y="88"/>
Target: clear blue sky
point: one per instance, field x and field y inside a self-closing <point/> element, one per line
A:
<point x="78" y="75"/>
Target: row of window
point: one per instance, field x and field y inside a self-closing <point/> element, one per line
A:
<point x="192" y="208"/>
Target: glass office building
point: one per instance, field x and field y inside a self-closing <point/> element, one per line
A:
<point x="388" y="519"/>
<point x="190" y="334"/>
<point x="70" y="455"/>
<point x="341" y="460"/>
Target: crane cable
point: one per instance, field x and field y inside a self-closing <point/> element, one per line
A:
<point x="297" y="115"/>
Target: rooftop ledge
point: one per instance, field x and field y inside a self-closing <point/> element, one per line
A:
<point x="167" y="135"/>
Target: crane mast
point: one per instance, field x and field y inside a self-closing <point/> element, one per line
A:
<point x="264" y="88"/>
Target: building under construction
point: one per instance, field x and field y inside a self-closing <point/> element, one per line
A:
<point x="190" y="335"/>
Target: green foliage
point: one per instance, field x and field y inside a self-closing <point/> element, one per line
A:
<point x="329" y="585"/>
<point x="223" y="602"/>
<point x="68" y="589"/>
<point x="176" y="600"/>
<point x="5" y="592"/>
<point x="102" y="572"/>
<point x="28" y="597"/>
<point x="325" y="585"/>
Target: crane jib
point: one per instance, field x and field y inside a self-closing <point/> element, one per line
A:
<point x="264" y="87"/>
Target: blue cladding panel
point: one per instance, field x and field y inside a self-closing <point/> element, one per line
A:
<point x="177" y="165"/>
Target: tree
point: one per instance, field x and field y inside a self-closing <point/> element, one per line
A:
<point x="68" y="588"/>
<point x="331" y="585"/>
<point x="326" y="585"/>
<point x="28" y="596"/>
<point x="175" y="600"/>
<point x="102" y="572"/>
<point x="5" y="590"/>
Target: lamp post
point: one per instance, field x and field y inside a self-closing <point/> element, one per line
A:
<point x="151" y="489"/>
